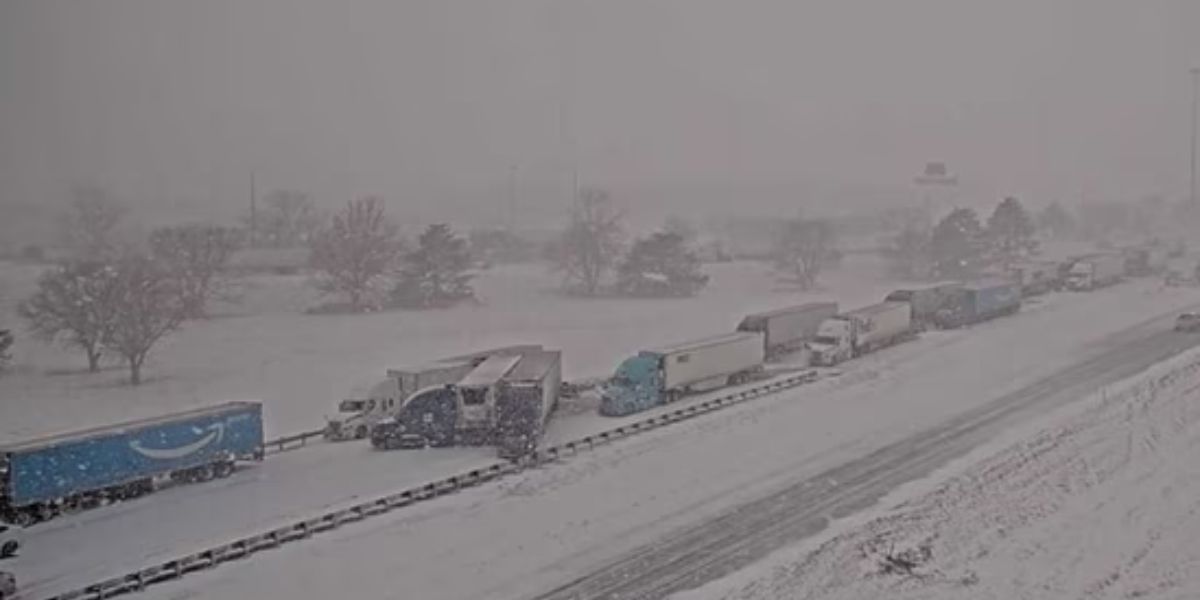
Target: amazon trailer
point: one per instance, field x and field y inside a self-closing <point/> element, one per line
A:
<point x="40" y="478"/>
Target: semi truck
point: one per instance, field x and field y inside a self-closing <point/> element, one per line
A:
<point x="925" y="301"/>
<point x="858" y="332"/>
<point x="451" y="413"/>
<point x="786" y="329"/>
<point x="527" y="397"/>
<point x="1141" y="261"/>
<point x="656" y="377"/>
<point x="981" y="301"/>
<point x="43" y="476"/>
<point x="356" y="416"/>
<point x="1035" y="277"/>
<point x="1095" y="271"/>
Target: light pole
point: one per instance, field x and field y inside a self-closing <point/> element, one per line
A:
<point x="1192" y="166"/>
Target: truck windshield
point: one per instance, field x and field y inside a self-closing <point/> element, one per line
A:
<point x="474" y="396"/>
<point x="352" y="406"/>
<point x="826" y="340"/>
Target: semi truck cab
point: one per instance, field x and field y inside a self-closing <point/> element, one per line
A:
<point x="635" y="386"/>
<point x="834" y="342"/>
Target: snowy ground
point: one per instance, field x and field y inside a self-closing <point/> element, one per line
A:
<point x="548" y="527"/>
<point x="300" y="365"/>
<point x="1102" y="502"/>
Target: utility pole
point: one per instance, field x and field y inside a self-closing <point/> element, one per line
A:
<point x="253" y="210"/>
<point x="1195" y="107"/>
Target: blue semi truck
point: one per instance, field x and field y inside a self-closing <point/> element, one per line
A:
<point x="41" y="477"/>
<point x="980" y="301"/>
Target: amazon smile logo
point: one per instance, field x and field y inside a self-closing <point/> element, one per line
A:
<point x="216" y="431"/>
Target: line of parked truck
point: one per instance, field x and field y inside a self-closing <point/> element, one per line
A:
<point x="505" y="396"/>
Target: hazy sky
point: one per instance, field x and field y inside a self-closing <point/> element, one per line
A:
<point x="430" y="103"/>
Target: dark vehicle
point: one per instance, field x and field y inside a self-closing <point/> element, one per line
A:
<point x="428" y="418"/>
<point x="43" y="476"/>
<point x="528" y="396"/>
<point x="1188" y="321"/>
<point x="978" y="302"/>
<point x="926" y="301"/>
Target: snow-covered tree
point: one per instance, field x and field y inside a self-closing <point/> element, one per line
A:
<point x="661" y="265"/>
<point x="75" y="304"/>
<point x="437" y="272"/>
<point x="1055" y="220"/>
<point x="354" y="251"/>
<point x="910" y="252"/>
<point x="958" y="245"/>
<point x="591" y="245"/>
<point x="146" y="306"/>
<point x="196" y="255"/>
<point x="6" y="343"/>
<point x="1011" y="231"/>
<point x="803" y="248"/>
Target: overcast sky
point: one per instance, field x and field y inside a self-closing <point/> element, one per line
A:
<point x="431" y="103"/>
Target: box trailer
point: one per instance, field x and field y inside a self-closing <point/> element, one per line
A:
<point x="527" y="397"/>
<point x="981" y="301"/>
<point x="925" y="301"/>
<point x="655" y="377"/>
<point x="1035" y="278"/>
<point x="786" y="329"/>
<point x="861" y="331"/>
<point x="1096" y="271"/>
<point x="40" y="476"/>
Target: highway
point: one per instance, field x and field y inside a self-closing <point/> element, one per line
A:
<point x="694" y="555"/>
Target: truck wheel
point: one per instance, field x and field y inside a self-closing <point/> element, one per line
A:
<point x="222" y="469"/>
<point x="360" y="432"/>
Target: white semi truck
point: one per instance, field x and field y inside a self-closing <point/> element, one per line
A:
<point x="858" y="332"/>
<point x="1096" y="271"/>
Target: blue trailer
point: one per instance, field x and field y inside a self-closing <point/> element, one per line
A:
<point x="40" y="477"/>
<point x="981" y="301"/>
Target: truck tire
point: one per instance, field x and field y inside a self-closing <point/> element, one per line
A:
<point x="360" y="432"/>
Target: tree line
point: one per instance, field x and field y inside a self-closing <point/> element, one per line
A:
<point x="960" y="245"/>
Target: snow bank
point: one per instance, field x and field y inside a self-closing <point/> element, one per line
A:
<point x="1101" y="503"/>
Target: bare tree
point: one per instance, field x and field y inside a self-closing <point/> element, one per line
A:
<point x="146" y="307"/>
<point x="591" y="245"/>
<point x="196" y="255"/>
<point x="74" y="304"/>
<point x="354" y="251"/>
<point x="89" y="224"/>
<point x="803" y="248"/>
<point x="288" y="219"/>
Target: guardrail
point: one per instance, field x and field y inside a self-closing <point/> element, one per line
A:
<point x="244" y="547"/>
<point x="291" y="442"/>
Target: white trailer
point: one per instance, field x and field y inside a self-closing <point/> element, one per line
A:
<point x="477" y="397"/>
<point x="711" y="363"/>
<point x="786" y="329"/>
<point x="1096" y="271"/>
<point x="528" y="396"/>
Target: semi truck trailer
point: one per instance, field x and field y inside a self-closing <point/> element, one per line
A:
<point x="786" y="329"/>
<point x="527" y="397"/>
<point x="980" y="301"/>
<point x="656" y="377"/>
<point x="925" y="301"/>
<point x="40" y="477"/>
<point x="1096" y="271"/>
<point x="858" y="332"/>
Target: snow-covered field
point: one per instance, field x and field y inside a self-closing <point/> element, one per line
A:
<point x="1102" y="501"/>
<point x="543" y="528"/>
<point x="300" y="365"/>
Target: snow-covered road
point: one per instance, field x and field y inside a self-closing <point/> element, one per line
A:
<point x="546" y="528"/>
<point x="1099" y="501"/>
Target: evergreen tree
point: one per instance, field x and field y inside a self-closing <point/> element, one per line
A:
<point x="437" y="273"/>
<point x="661" y="265"/>
<point x="958" y="245"/>
<point x="1011" y="231"/>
